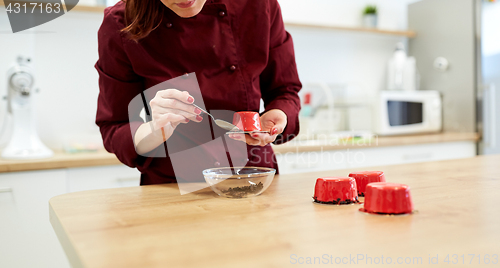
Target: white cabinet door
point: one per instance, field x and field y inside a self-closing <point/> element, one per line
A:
<point x="397" y="155"/>
<point x="92" y="178"/>
<point x="312" y="161"/>
<point x="374" y="156"/>
<point x="26" y="236"/>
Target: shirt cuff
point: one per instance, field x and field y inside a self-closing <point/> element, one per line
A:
<point x="126" y="153"/>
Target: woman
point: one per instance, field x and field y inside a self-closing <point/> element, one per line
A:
<point x="240" y="53"/>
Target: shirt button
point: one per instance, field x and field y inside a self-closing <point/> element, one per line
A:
<point x="217" y="164"/>
<point x="232" y="68"/>
<point x="169" y="25"/>
<point x="222" y="13"/>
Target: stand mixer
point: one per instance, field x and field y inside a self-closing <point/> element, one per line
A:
<point x="24" y="142"/>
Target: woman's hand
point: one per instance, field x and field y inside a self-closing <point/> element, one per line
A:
<point x="274" y="121"/>
<point x="169" y="108"/>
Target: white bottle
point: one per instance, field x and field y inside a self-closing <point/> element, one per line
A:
<point x="410" y="78"/>
<point x="396" y="68"/>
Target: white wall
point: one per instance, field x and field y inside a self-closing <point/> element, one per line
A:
<point x="392" y="13"/>
<point x="356" y="60"/>
<point x="65" y="51"/>
<point x="491" y="75"/>
<point x="490" y="23"/>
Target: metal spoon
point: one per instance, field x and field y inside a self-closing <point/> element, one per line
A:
<point x="221" y="123"/>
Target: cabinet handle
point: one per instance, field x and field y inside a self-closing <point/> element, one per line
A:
<point x="5" y="190"/>
<point x="129" y="179"/>
<point x="305" y="165"/>
<point x="417" y="156"/>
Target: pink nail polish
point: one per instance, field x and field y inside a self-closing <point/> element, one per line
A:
<point x="187" y="120"/>
<point x="199" y="118"/>
<point x="197" y="111"/>
<point x="190" y="99"/>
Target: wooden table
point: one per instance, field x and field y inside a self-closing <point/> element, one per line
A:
<point x="154" y="226"/>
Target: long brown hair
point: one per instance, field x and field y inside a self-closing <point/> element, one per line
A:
<point x="142" y="17"/>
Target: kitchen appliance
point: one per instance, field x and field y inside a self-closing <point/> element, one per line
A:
<point x="403" y="112"/>
<point x="24" y="142"/>
<point x="457" y="48"/>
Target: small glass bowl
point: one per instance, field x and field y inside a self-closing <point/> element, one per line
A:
<point x="239" y="182"/>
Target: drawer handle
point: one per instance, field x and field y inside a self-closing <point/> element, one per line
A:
<point x="417" y="156"/>
<point x="129" y="179"/>
<point x="305" y="165"/>
<point x="5" y="190"/>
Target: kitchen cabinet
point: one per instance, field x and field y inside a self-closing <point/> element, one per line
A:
<point x="373" y="156"/>
<point x="91" y="178"/>
<point x="26" y="236"/>
<point x="312" y="161"/>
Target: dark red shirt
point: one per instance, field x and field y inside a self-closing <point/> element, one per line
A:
<point x="240" y="53"/>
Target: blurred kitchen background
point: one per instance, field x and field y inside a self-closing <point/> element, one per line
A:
<point x="385" y="82"/>
<point x="342" y="64"/>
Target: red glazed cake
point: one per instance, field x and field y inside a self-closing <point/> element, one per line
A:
<point x="333" y="190"/>
<point x="247" y="121"/>
<point x="364" y="177"/>
<point x="388" y="198"/>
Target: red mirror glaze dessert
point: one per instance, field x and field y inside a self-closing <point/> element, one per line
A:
<point x="364" y="177"/>
<point x="388" y="198"/>
<point x="335" y="190"/>
<point x="247" y="121"/>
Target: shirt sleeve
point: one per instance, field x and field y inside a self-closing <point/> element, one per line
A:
<point x="118" y="85"/>
<point x="279" y="81"/>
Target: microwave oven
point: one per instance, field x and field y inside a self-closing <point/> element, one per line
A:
<point x="408" y="112"/>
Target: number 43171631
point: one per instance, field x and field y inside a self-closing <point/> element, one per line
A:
<point x="471" y="259"/>
<point x="33" y="8"/>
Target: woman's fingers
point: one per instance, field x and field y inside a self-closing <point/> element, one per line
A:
<point x="264" y="138"/>
<point x="238" y="137"/>
<point x="174" y="99"/>
<point x="172" y="107"/>
<point x="176" y="94"/>
<point x="162" y="120"/>
<point x="253" y="139"/>
<point x="173" y="104"/>
<point x="190" y="116"/>
<point x="244" y="138"/>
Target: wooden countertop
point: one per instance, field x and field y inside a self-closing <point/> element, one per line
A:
<point x="154" y="226"/>
<point x="60" y="160"/>
<point x="332" y="143"/>
<point x="65" y="160"/>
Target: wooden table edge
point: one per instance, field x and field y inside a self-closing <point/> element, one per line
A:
<point x="63" y="237"/>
